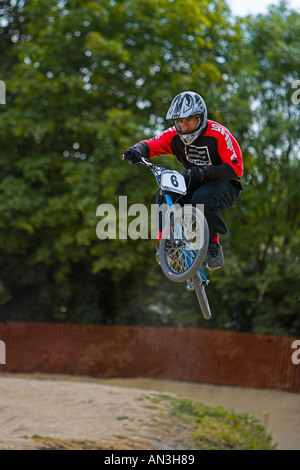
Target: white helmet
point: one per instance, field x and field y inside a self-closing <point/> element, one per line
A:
<point x="187" y="104"/>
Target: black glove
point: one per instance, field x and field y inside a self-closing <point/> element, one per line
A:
<point x="196" y="174"/>
<point x="133" y="155"/>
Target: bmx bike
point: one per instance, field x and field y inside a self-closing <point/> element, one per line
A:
<point x="185" y="236"/>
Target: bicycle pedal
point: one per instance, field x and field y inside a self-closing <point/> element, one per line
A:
<point x="189" y="287"/>
<point x="207" y="267"/>
<point x="212" y="269"/>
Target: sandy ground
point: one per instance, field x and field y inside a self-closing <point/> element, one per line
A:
<point x="115" y="411"/>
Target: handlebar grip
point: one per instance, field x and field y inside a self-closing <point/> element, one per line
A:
<point x="144" y="161"/>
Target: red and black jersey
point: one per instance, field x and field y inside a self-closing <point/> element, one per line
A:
<point x="215" y="149"/>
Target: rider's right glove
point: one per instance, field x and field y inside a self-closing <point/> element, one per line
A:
<point x="133" y="155"/>
<point x="194" y="174"/>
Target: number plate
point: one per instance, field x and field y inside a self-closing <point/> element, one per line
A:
<point x="173" y="181"/>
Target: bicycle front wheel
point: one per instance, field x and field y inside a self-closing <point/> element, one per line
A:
<point x="184" y="244"/>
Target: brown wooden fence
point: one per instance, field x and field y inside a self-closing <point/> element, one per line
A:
<point x="189" y="354"/>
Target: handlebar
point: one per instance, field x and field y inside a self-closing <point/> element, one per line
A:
<point x="159" y="171"/>
<point x="144" y="161"/>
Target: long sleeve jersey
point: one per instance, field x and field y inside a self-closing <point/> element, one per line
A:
<point x="216" y="150"/>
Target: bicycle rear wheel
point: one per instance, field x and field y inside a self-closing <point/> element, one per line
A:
<point x="181" y="259"/>
<point x="199" y="287"/>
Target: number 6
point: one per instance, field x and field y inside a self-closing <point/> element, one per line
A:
<point x="174" y="181"/>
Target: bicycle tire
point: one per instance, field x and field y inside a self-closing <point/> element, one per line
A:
<point x="199" y="288"/>
<point x="174" y="260"/>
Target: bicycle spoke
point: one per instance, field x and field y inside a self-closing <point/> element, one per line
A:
<point x="182" y="257"/>
<point x="189" y="244"/>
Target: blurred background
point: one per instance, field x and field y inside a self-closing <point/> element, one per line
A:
<point x="87" y="79"/>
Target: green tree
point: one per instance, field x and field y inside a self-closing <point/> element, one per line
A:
<point x="264" y="240"/>
<point x="87" y="80"/>
<point x="257" y="290"/>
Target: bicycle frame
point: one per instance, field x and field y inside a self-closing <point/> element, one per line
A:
<point x="157" y="172"/>
<point x="171" y="205"/>
<point x="173" y="181"/>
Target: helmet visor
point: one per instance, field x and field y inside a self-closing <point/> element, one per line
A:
<point x="187" y="125"/>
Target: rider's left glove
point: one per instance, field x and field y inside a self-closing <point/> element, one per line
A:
<point x="133" y="155"/>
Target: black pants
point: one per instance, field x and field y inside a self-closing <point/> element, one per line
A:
<point x="216" y="196"/>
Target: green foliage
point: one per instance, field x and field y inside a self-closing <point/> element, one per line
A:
<point x="84" y="81"/>
<point x="265" y="223"/>
<point x="221" y="429"/>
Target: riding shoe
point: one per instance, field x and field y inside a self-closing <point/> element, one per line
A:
<point x="215" y="257"/>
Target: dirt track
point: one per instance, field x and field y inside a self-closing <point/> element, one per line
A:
<point x="85" y="409"/>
